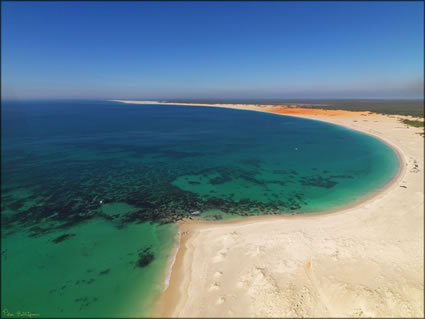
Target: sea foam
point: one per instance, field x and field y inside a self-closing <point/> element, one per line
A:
<point x="173" y="260"/>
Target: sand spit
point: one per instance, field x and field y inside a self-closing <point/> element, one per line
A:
<point x="362" y="261"/>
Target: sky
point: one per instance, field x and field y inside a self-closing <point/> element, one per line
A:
<point x="218" y="50"/>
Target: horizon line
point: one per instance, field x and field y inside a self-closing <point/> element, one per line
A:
<point x="215" y="99"/>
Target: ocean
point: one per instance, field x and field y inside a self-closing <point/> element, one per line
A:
<point x="91" y="191"/>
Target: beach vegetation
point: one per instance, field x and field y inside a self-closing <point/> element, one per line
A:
<point x="414" y="123"/>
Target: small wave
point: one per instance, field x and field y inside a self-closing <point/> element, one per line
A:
<point x="173" y="260"/>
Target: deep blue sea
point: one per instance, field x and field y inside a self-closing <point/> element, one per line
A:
<point x="91" y="191"/>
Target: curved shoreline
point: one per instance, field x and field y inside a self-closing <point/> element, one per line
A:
<point x="380" y="233"/>
<point x="358" y="201"/>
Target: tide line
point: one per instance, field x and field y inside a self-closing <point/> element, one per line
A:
<point x="173" y="260"/>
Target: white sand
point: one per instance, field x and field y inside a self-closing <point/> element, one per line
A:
<point x="363" y="261"/>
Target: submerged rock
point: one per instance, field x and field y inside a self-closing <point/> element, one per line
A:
<point x="105" y="272"/>
<point x="63" y="237"/>
<point x="145" y="258"/>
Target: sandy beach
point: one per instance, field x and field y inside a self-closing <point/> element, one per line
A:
<point x="366" y="260"/>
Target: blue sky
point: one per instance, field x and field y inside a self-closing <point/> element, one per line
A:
<point x="108" y="50"/>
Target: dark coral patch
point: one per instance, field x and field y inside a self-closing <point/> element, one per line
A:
<point x="104" y="272"/>
<point x="145" y="257"/>
<point x="61" y="238"/>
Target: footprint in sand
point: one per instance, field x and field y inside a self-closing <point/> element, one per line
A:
<point x="234" y="234"/>
<point x="218" y="274"/>
<point x="221" y="300"/>
<point x="214" y="286"/>
<point x="217" y="259"/>
<point x="230" y="238"/>
<point x="220" y="256"/>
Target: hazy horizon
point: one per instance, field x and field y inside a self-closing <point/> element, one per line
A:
<point x="212" y="50"/>
<point x="212" y="99"/>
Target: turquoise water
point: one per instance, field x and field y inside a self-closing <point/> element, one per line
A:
<point x="91" y="191"/>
